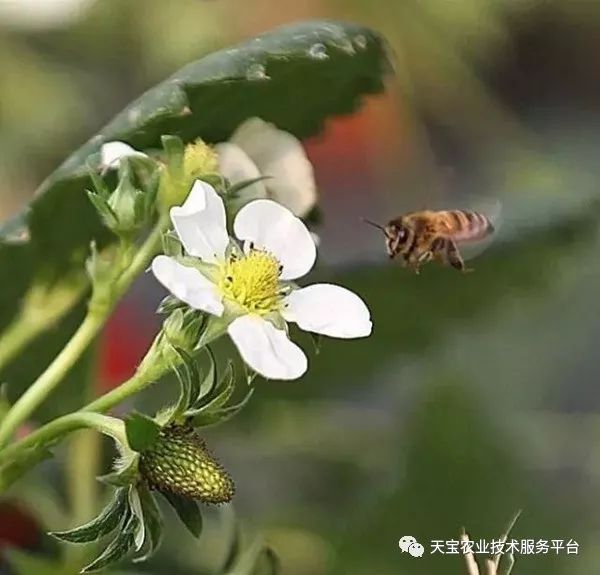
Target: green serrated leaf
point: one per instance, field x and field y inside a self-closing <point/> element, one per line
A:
<point x="118" y="548"/>
<point x="279" y="77"/>
<point x="101" y="525"/>
<point x="188" y="511"/>
<point x="153" y="522"/>
<point x="142" y="431"/>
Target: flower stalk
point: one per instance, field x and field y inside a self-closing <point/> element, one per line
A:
<point x="98" y="312"/>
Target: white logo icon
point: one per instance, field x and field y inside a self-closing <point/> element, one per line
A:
<point x="416" y="550"/>
<point x="409" y="544"/>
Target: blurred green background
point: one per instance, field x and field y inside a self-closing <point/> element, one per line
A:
<point x="477" y="395"/>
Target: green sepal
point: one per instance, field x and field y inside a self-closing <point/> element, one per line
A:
<point x="142" y="431"/>
<point x="171" y="245"/>
<point x="214" y="417"/>
<point x="135" y="506"/>
<point x="209" y="381"/>
<point x="153" y="522"/>
<point x="234" y="190"/>
<point x="224" y="390"/>
<point x="98" y="182"/>
<point x="101" y="525"/>
<point x="118" y="548"/>
<point x="174" y="150"/>
<point x="169" y="304"/>
<point x="188" y="376"/>
<point x="317" y="341"/>
<point x="106" y="213"/>
<point x="188" y="511"/>
<point x="125" y="473"/>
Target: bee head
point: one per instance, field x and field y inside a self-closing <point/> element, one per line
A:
<point x="396" y="236"/>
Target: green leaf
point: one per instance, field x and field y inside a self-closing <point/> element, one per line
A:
<point x="188" y="511"/>
<point x="280" y="77"/>
<point x="118" y="548"/>
<point x="153" y="522"/>
<point x="106" y="522"/>
<point x="142" y="431"/>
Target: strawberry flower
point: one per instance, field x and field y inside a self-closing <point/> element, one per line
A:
<point x="258" y="148"/>
<point x="249" y="283"/>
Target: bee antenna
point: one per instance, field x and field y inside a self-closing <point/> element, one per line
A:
<point x="375" y="225"/>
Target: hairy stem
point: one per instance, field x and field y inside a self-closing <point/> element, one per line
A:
<point x="81" y="339"/>
<point x="147" y="373"/>
<point x="61" y="426"/>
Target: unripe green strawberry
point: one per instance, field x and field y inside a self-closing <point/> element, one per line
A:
<point x="179" y="462"/>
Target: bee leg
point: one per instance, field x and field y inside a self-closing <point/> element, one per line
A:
<point x="425" y="257"/>
<point x="454" y="257"/>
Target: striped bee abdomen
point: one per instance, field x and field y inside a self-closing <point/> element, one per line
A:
<point x="468" y="226"/>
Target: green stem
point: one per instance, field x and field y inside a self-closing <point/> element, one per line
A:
<point x="147" y="373"/>
<point x="64" y="425"/>
<point x="81" y="339"/>
<point x="53" y="375"/>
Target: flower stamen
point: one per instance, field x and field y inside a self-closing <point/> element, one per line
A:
<point x="252" y="281"/>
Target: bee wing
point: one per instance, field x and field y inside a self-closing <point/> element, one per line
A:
<point x="492" y="210"/>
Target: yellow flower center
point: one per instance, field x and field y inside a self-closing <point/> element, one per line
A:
<point x="252" y="281"/>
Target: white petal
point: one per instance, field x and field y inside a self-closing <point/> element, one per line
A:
<point x="330" y="310"/>
<point x="237" y="167"/>
<point x="266" y="349"/>
<point x="281" y="155"/>
<point x="274" y="228"/>
<point x="200" y="223"/>
<point x="112" y="152"/>
<point x="188" y="285"/>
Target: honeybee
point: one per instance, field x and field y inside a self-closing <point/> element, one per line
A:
<point x="423" y="236"/>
